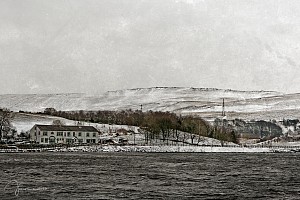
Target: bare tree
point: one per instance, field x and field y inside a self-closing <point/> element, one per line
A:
<point x="58" y="122"/>
<point x="5" y="121"/>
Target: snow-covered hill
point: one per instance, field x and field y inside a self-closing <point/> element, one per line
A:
<point x="206" y="102"/>
<point x="25" y="121"/>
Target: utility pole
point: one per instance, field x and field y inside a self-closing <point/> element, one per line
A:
<point x="223" y="113"/>
<point x="223" y="109"/>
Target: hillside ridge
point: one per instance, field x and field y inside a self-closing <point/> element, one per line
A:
<point x="206" y="102"/>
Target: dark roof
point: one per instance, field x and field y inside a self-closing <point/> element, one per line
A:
<point x="66" y="128"/>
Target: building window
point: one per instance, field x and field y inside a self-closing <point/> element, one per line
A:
<point x="87" y="134"/>
<point x="74" y="134"/>
<point x="59" y="133"/>
<point x="80" y="140"/>
<point x="79" y="134"/>
<point x="52" y="133"/>
<point x="46" y="140"/>
<point x="94" y="134"/>
<point x="69" y="134"/>
<point x="42" y="140"/>
<point x="45" y="133"/>
<point x="52" y="140"/>
<point x="69" y="141"/>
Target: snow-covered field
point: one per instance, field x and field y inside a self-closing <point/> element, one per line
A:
<point x="24" y="122"/>
<point x="205" y="102"/>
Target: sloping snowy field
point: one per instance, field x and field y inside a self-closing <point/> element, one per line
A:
<point x="206" y="102"/>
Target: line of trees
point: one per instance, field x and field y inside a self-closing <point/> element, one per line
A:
<point x="156" y="124"/>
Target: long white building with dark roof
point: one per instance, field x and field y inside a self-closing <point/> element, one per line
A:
<point x="56" y="134"/>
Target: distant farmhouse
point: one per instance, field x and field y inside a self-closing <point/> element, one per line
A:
<point x="57" y="134"/>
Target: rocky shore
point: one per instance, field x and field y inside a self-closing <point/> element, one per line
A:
<point x="111" y="148"/>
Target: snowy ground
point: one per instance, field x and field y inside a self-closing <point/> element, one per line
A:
<point x="24" y="122"/>
<point x="204" y="102"/>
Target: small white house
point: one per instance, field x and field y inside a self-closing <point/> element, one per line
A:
<point x="57" y="134"/>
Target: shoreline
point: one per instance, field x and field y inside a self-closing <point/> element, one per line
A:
<point x="179" y="149"/>
<point x="159" y="149"/>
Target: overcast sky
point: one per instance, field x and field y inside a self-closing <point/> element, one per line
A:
<point x="92" y="46"/>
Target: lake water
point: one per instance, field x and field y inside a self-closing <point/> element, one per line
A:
<point x="149" y="176"/>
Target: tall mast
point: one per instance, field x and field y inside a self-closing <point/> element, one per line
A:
<point x="223" y="108"/>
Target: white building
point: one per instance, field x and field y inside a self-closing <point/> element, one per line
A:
<point x="57" y="134"/>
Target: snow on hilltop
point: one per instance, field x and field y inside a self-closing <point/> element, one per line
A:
<point x="154" y="98"/>
<point x="183" y="100"/>
<point x="182" y="92"/>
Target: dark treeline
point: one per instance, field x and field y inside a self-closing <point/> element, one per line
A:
<point x="156" y="123"/>
<point x="254" y="129"/>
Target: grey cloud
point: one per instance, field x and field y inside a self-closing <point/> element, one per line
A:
<point x="93" y="46"/>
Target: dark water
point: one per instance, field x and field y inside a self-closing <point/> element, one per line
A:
<point x="149" y="176"/>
